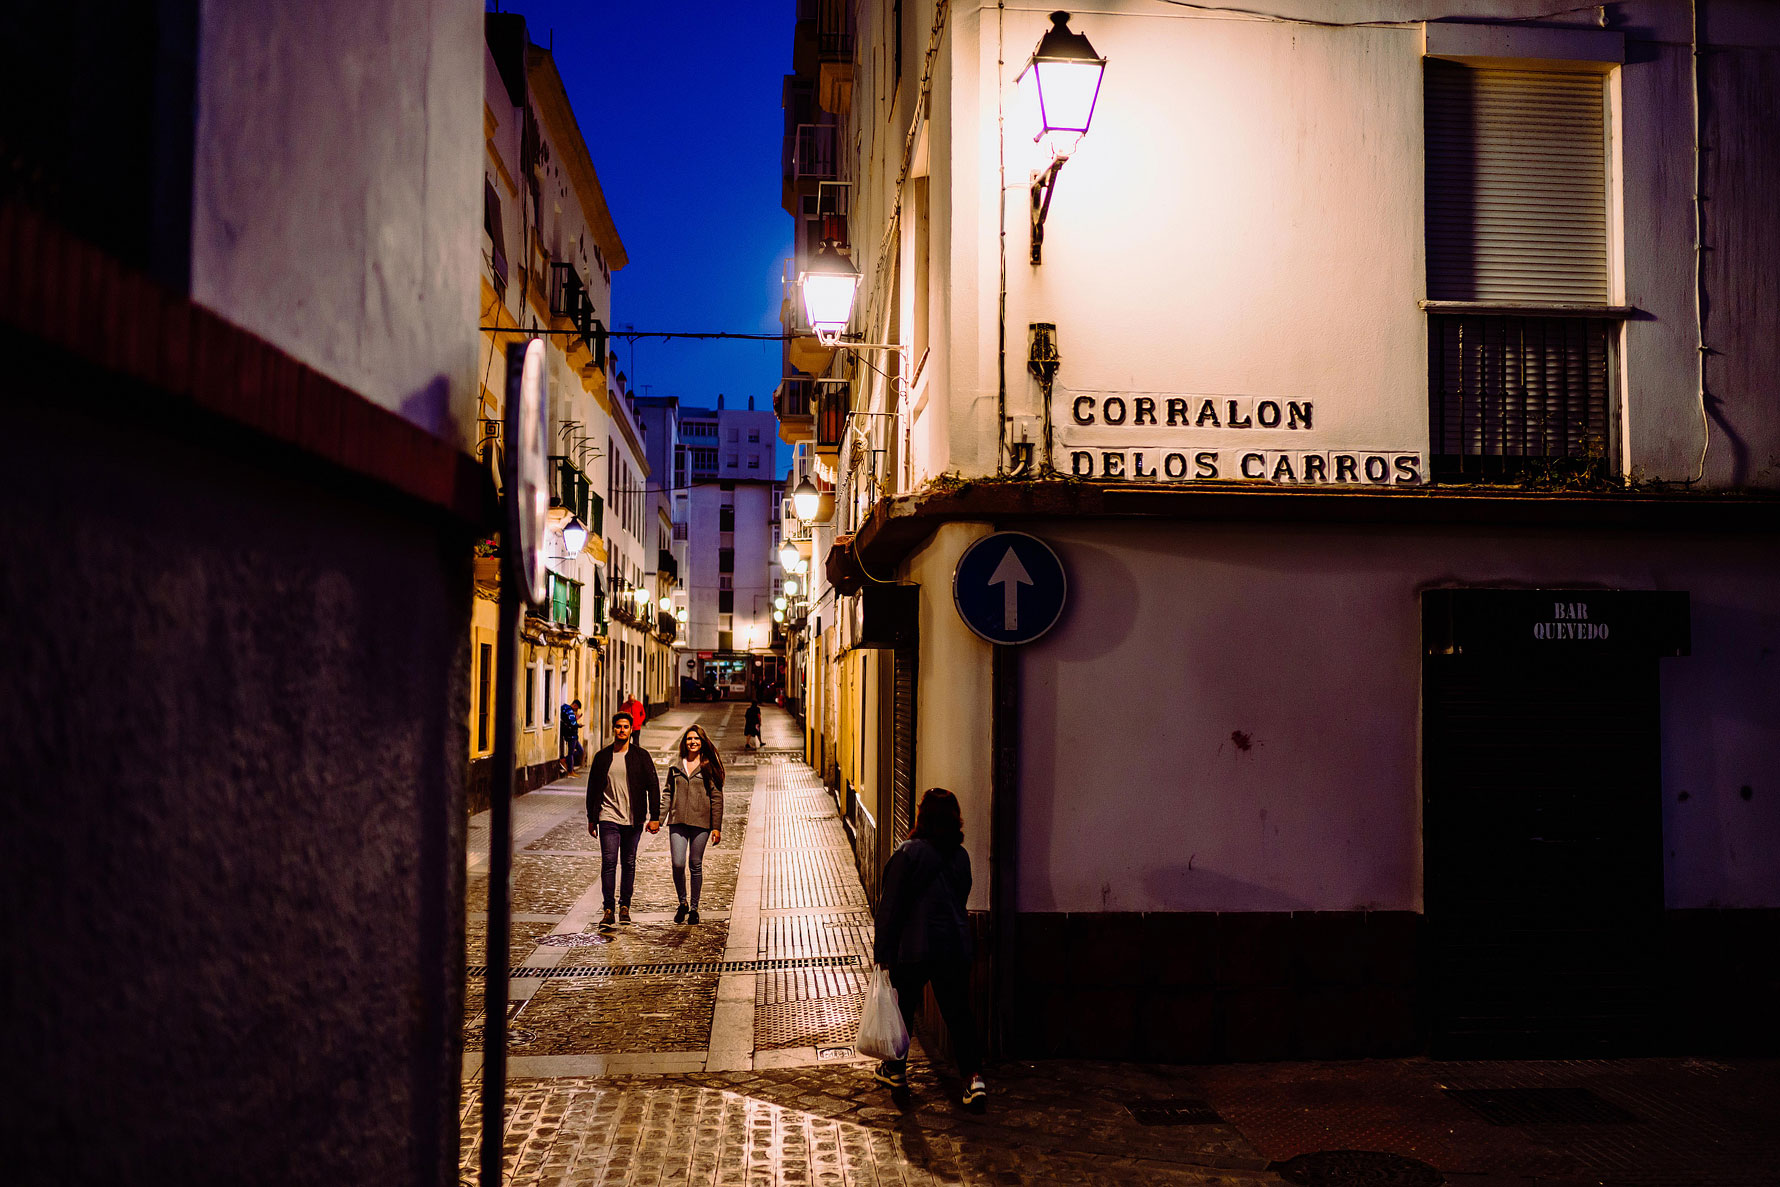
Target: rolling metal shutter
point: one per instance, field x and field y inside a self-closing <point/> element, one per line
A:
<point x="902" y="745"/>
<point x="1516" y="185"/>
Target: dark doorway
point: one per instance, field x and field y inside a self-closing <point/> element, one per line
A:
<point x="1543" y="854"/>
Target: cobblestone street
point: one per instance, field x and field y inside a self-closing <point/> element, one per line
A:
<point x="720" y="1053"/>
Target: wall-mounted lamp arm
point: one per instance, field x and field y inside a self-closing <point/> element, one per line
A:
<point x="1044" y="184"/>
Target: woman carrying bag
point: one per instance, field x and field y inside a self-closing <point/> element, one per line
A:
<point x="694" y="815"/>
<point x="923" y="935"/>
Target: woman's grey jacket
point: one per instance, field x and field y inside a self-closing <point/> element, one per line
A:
<point x="695" y="800"/>
<point x="921" y="912"/>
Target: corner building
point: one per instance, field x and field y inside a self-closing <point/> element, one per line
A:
<point x="1406" y="432"/>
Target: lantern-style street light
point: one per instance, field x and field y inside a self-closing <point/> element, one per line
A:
<point x="805" y="500"/>
<point x="1066" y="73"/>
<point x="829" y="284"/>
<point x="788" y="557"/>
<point x="574" y="536"/>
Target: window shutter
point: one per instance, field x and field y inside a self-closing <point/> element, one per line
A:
<point x="1516" y="185"/>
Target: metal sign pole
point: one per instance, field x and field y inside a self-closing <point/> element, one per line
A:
<point x="500" y="815"/>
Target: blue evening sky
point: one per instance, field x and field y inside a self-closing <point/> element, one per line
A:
<point x="679" y="104"/>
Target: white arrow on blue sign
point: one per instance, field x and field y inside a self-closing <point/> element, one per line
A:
<point x="1009" y="587"/>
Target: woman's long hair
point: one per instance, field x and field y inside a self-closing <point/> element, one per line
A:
<point x="939" y="819"/>
<point x="707" y="750"/>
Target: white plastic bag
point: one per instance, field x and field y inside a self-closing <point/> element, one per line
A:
<point x="881" y="1032"/>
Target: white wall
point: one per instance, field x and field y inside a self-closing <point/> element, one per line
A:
<point x="1136" y="797"/>
<point x="1245" y="219"/>
<point x="954" y="699"/>
<point x="336" y="206"/>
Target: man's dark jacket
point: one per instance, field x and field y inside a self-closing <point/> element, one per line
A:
<point x="921" y="914"/>
<point x="640" y="769"/>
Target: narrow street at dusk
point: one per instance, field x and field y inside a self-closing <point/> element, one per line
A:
<point x="663" y="1053"/>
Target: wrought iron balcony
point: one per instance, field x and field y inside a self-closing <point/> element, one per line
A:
<point x="666" y="565"/>
<point x="833" y="403"/>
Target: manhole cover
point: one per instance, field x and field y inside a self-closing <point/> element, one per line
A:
<point x="1173" y="1112"/>
<point x="1357" y="1168"/>
<point x="1560" y="1104"/>
<point x="834" y="1053"/>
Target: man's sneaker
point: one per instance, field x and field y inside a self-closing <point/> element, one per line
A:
<point x="680" y="915"/>
<point x="976" y="1093"/>
<point x="624" y="914"/>
<point x="892" y="1074"/>
<point x="606" y="918"/>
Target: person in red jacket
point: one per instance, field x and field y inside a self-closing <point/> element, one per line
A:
<point x="634" y="707"/>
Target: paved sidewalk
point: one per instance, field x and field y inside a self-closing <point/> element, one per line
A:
<point x="720" y="1054"/>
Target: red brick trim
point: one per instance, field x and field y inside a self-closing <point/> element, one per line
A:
<point x="69" y="294"/>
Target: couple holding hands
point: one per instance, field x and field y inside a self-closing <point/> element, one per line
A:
<point x="624" y="798"/>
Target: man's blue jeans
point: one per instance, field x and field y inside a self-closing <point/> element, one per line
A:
<point x="618" y="842"/>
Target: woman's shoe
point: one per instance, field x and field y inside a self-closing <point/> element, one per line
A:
<point x="976" y="1093"/>
<point x="692" y="915"/>
<point x="892" y="1074"/>
<point x="680" y="915"/>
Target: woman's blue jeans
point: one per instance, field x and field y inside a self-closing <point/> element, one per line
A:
<point x="687" y="844"/>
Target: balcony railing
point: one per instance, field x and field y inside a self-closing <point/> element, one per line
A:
<point x="815" y="155"/>
<point x="833" y="404"/>
<point x="570" y="299"/>
<point x="1513" y="397"/>
<point x="571" y="491"/>
<point x="666" y="565"/>
<point x="794" y="396"/>
<point x="834" y="30"/>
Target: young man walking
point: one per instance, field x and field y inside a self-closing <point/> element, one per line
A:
<point x="570" y="719"/>
<point x="623" y="797"/>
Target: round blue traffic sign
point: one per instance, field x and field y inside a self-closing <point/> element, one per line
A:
<point x="1009" y="587"/>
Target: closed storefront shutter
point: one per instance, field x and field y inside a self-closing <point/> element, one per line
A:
<point x="902" y="752"/>
<point x="1516" y="185"/>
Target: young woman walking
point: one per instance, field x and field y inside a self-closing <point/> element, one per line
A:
<point x="923" y="935"/>
<point x="694" y="815"/>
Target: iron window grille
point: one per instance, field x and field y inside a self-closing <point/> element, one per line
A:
<point x="1515" y="396"/>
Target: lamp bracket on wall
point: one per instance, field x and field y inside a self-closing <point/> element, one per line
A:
<point x="1044" y="184"/>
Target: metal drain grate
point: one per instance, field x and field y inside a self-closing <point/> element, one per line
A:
<point x="704" y="966"/>
<point x="1560" y="1104"/>
<point x="816" y="1022"/>
<point x="1173" y="1112"/>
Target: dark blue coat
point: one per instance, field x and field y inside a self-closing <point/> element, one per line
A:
<point x="921" y="913"/>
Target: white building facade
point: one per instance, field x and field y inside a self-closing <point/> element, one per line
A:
<point x="1408" y="437"/>
<point x="732" y="524"/>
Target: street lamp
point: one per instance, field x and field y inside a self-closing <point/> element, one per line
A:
<point x="790" y="585"/>
<point x="829" y="284"/>
<point x="574" y="536"/>
<point x="641" y="596"/>
<point x="779" y="615"/>
<point x="680" y="615"/>
<point x="805" y="500"/>
<point x="779" y="602"/>
<point x="788" y="557"/>
<point x="666" y="602"/>
<point x="1066" y="72"/>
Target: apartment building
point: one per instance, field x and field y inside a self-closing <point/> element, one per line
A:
<point x="1392" y="392"/>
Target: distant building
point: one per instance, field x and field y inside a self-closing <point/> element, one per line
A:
<point x="549" y="249"/>
<point x="669" y="500"/>
<point x="733" y="525"/>
<point x="1400" y="401"/>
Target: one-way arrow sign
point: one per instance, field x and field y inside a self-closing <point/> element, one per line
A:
<point x="1009" y="587"/>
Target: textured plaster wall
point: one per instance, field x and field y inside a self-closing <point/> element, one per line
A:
<point x="1225" y="719"/>
<point x="232" y="840"/>
<point x="1246" y="219"/>
<point x="336" y="198"/>
<point x="954" y="700"/>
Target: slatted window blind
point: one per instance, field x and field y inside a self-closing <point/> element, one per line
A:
<point x="1516" y="184"/>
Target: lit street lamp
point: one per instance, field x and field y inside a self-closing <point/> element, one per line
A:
<point x="805" y="499"/>
<point x="788" y="557"/>
<point x="829" y="284"/>
<point x="574" y="536"/>
<point x="1066" y="72"/>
